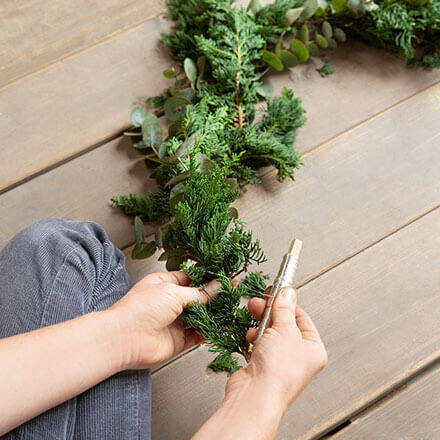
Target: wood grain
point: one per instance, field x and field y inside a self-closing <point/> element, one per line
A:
<point x="413" y="414"/>
<point x="378" y="316"/>
<point x="36" y="33"/>
<point x="358" y="187"/>
<point x="86" y="99"/>
<point x="354" y="190"/>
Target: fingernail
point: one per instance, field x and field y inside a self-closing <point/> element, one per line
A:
<point x="289" y="293"/>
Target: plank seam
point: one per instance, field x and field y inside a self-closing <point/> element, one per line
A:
<point x="105" y="40"/>
<point x="399" y="387"/>
<point x="327" y="270"/>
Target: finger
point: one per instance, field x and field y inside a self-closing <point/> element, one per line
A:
<point x="305" y="324"/>
<point x="283" y="310"/>
<point x="256" y="306"/>
<point x="192" y="339"/>
<point x="203" y="295"/>
<point x="175" y="277"/>
<point x="251" y="334"/>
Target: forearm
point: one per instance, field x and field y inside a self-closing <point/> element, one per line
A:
<point x="43" y="368"/>
<point x="249" y="413"/>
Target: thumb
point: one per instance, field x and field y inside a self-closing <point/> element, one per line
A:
<point x="283" y="310"/>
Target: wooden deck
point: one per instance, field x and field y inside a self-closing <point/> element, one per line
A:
<point x="365" y="204"/>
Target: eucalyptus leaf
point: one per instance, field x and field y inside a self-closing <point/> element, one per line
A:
<point x="265" y="90"/>
<point x="288" y="58"/>
<point x="327" y="30"/>
<point x="151" y="131"/>
<point x="190" y="68"/>
<point x="175" y="200"/>
<point x="139" y="230"/>
<point x="187" y="146"/>
<point x="137" y="116"/>
<point x="177" y="179"/>
<point x="187" y="93"/>
<point x="339" y="5"/>
<point x="170" y="73"/>
<point x="254" y="6"/>
<point x="177" y="189"/>
<point x="313" y="49"/>
<point x="174" y="129"/>
<point x="332" y="44"/>
<point x="299" y="50"/>
<point x="305" y="36"/>
<point x="139" y="145"/>
<point x="175" y="107"/>
<point x="174" y="262"/>
<point x="339" y="35"/>
<point x="310" y="7"/>
<point x="277" y="48"/>
<point x="202" y="67"/>
<point x="143" y="250"/>
<point x="205" y="163"/>
<point x="162" y="150"/>
<point x="233" y="212"/>
<point x="322" y="42"/>
<point x="293" y="14"/>
<point x="272" y="60"/>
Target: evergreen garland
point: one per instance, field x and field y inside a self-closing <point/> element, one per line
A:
<point x="220" y="136"/>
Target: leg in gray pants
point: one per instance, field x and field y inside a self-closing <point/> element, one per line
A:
<point x="55" y="270"/>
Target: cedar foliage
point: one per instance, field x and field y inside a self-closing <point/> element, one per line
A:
<point x="219" y="137"/>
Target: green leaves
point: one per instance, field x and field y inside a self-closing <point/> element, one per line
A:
<point x="190" y="69"/>
<point x="151" y="131"/>
<point x="288" y="58"/>
<point x="299" y="50"/>
<point x="293" y="14"/>
<point x="310" y="7"/>
<point x="339" y="5"/>
<point x="272" y="60"/>
<point x="137" y="116"/>
<point x="174" y="107"/>
<point x="144" y="250"/>
<point x="169" y="73"/>
<point x="305" y="35"/>
<point x="327" y="30"/>
<point x="322" y="42"/>
<point x="265" y="90"/>
<point x="141" y="249"/>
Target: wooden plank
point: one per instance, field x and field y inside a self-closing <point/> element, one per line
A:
<point x="58" y="112"/>
<point x="352" y="191"/>
<point x="36" y="33"/>
<point x="86" y="99"/>
<point x="413" y="414"/>
<point x="383" y="166"/>
<point x="369" y="312"/>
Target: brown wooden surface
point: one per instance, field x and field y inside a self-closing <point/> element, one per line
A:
<point x="381" y="163"/>
<point x="413" y="414"/>
<point x="35" y="33"/>
<point x="71" y="106"/>
<point x="378" y="316"/>
<point x="364" y="203"/>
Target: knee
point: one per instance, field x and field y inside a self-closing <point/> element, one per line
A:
<point x="48" y="242"/>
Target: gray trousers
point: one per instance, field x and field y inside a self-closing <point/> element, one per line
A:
<point x="55" y="270"/>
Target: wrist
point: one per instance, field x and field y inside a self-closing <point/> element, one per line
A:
<point x="109" y="338"/>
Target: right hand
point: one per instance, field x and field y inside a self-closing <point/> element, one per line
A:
<point x="288" y="355"/>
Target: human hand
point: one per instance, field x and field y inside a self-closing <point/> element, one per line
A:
<point x="147" y="318"/>
<point x="286" y="358"/>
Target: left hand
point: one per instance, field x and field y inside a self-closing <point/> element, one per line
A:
<point x="147" y="318"/>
